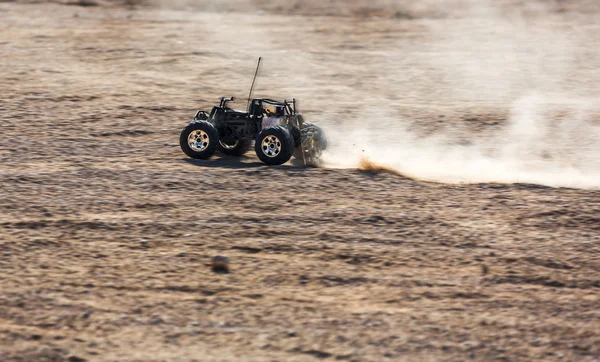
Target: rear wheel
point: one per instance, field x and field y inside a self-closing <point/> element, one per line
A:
<point x="199" y="140"/>
<point x="237" y="148"/>
<point x="274" y="145"/>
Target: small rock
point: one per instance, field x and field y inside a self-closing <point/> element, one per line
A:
<point x="220" y="264"/>
<point x="76" y="359"/>
<point x="157" y="320"/>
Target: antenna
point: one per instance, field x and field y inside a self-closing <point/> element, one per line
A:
<point x="253" y="80"/>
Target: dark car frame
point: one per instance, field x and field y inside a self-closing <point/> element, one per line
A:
<point x="232" y="132"/>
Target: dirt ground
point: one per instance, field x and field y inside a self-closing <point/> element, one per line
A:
<point x="107" y="230"/>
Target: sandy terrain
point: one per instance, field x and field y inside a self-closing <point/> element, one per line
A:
<point x="107" y="230"/>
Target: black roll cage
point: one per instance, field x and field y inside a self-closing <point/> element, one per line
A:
<point x="289" y="106"/>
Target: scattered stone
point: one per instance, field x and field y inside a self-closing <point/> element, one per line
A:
<point x="76" y="359"/>
<point x="220" y="264"/>
<point x="402" y="15"/>
<point x="83" y="3"/>
<point x="254" y="296"/>
<point x="157" y="320"/>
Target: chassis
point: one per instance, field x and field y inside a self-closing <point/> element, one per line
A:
<point x="232" y="132"/>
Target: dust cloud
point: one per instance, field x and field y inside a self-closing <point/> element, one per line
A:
<point x="533" y="148"/>
<point x="530" y="67"/>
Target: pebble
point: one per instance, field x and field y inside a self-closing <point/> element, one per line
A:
<point x="220" y="264"/>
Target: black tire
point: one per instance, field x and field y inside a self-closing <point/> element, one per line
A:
<point x="296" y="136"/>
<point x="279" y="151"/>
<point x="313" y="146"/>
<point x="320" y="136"/>
<point x="237" y="149"/>
<point x="202" y="131"/>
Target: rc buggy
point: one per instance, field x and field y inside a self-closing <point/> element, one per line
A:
<point x="277" y="130"/>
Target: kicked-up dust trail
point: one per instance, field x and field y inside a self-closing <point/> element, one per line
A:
<point x="525" y="67"/>
<point x="545" y="142"/>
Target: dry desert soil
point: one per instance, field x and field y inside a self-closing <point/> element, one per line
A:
<point x="107" y="230"/>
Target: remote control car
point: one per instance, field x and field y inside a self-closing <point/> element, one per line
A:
<point x="277" y="130"/>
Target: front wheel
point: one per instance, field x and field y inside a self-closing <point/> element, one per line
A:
<point x="274" y="145"/>
<point x="199" y="140"/>
<point x="311" y="146"/>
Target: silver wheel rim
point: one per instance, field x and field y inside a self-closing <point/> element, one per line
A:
<point x="229" y="147"/>
<point x="198" y="140"/>
<point x="271" y="146"/>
